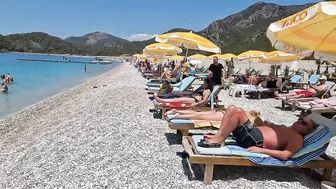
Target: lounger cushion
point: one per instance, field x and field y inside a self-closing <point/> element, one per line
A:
<point x="227" y="150"/>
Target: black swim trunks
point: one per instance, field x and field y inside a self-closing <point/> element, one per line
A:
<point x="246" y="135"/>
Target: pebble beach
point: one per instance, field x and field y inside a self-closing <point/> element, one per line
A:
<point x="105" y="137"/>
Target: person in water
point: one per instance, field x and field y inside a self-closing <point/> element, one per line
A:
<point x="4" y="87"/>
<point x="9" y="78"/>
<point x="84" y="68"/>
<point x="278" y="141"/>
<point x="193" y="100"/>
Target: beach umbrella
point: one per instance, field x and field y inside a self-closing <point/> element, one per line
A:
<point x="251" y="55"/>
<point x="227" y="56"/>
<point x="176" y="57"/>
<point x="275" y="57"/>
<point x="198" y="56"/>
<point x="309" y="32"/>
<point x="161" y="49"/>
<point x="188" y="40"/>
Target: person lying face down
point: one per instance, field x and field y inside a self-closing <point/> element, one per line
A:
<point x="312" y="91"/>
<point x="277" y="141"/>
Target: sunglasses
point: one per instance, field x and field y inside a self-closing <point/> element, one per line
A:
<point x="303" y="122"/>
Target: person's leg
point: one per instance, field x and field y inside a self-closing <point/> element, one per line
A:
<point x="233" y="118"/>
<point x="178" y="100"/>
<point x="214" y="116"/>
<point x="286" y="95"/>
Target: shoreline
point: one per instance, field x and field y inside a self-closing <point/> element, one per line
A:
<point x="56" y="97"/>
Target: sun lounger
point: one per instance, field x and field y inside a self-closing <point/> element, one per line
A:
<point x="202" y="75"/>
<point x="308" y="108"/>
<point x="235" y="71"/>
<point x="157" y="82"/>
<point x="253" y="90"/>
<point x="313" y="79"/>
<point x="184" y="125"/>
<point x="211" y="101"/>
<point x="312" y="155"/>
<point x="182" y="89"/>
<point x="291" y="101"/>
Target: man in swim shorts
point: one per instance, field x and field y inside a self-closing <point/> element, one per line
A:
<point x="278" y="141"/>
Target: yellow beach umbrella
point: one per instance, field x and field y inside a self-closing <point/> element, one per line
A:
<point x="211" y="56"/>
<point x="198" y="56"/>
<point x="176" y="57"/>
<point x="227" y="56"/>
<point x="250" y="54"/>
<point x="161" y="49"/>
<point x="275" y="57"/>
<point x="311" y="31"/>
<point x="188" y="40"/>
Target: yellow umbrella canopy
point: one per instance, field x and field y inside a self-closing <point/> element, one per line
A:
<point x="176" y="57"/>
<point x="162" y="49"/>
<point x="311" y="31"/>
<point x="250" y="54"/>
<point x="188" y="40"/>
<point x="198" y="56"/>
<point x="211" y="56"/>
<point x="227" y="56"/>
<point x="275" y="57"/>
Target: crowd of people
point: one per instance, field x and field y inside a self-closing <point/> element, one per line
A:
<point x="5" y="80"/>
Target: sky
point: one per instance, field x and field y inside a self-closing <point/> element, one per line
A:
<point x="128" y="19"/>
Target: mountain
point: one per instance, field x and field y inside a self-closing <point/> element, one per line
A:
<point x="37" y="42"/>
<point x="247" y="29"/>
<point x="98" y="39"/>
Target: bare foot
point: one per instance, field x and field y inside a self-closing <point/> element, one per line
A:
<point x="157" y="99"/>
<point x="214" y="139"/>
<point x="172" y="111"/>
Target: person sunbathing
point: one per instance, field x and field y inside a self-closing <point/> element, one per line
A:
<point x="319" y="103"/>
<point x="312" y="91"/>
<point x="216" y="115"/>
<point x="193" y="100"/>
<point x="278" y="141"/>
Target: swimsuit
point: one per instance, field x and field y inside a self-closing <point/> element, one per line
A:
<point x="246" y="135"/>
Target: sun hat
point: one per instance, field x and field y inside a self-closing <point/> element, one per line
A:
<point x="323" y="77"/>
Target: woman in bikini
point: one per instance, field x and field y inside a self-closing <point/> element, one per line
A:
<point x="4" y="87"/>
<point x="194" y="100"/>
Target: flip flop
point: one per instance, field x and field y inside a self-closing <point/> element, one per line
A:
<point x="205" y="144"/>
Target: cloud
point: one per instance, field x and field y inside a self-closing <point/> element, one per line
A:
<point x="140" y="37"/>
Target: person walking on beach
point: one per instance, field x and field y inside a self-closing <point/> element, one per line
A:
<point x="84" y="68"/>
<point x="9" y="78"/>
<point x="4" y="87"/>
<point x="216" y="72"/>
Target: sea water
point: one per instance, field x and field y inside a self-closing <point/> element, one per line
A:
<point x="36" y="81"/>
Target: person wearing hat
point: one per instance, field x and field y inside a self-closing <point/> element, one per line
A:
<point x="313" y="90"/>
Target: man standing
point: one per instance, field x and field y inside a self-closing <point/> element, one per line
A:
<point x="216" y="72"/>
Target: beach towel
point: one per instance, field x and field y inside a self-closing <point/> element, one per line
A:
<point x="196" y="123"/>
<point x="176" y="105"/>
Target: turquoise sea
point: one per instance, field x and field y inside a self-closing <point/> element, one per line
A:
<point x="36" y="81"/>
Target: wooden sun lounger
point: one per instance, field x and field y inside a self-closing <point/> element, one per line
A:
<point x="326" y="163"/>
